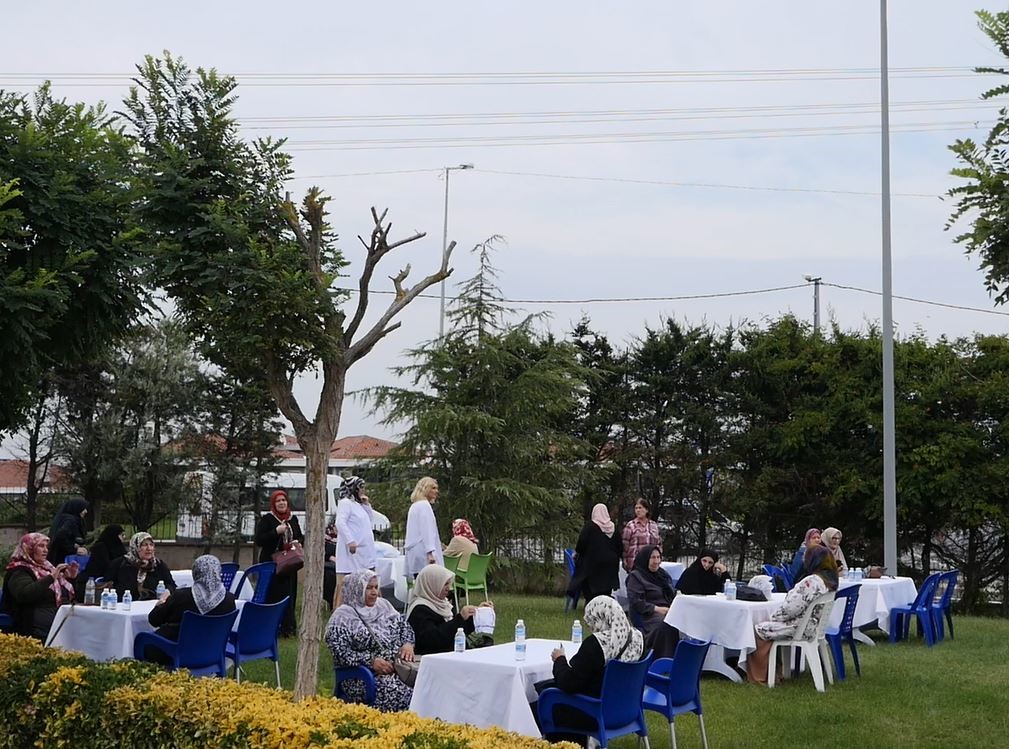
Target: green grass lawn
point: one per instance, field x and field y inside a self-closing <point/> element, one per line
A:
<point x="953" y="695"/>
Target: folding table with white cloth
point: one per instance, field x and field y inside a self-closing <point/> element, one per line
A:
<point x="485" y="687"/>
<point x="875" y="599"/>
<point x="100" y="634"/>
<point x="392" y="569"/>
<point x="725" y="624"/>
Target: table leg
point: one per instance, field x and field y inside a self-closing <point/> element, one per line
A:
<point x="714" y="662"/>
<point x="862" y="637"/>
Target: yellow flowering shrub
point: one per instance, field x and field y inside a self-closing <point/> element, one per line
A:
<point x="53" y="699"/>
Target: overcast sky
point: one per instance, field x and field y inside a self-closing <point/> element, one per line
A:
<point x="651" y="117"/>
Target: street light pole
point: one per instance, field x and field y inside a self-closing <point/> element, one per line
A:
<point x="816" y="301"/>
<point x="444" y="245"/>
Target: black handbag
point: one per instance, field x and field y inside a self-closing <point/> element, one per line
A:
<point x="746" y="592"/>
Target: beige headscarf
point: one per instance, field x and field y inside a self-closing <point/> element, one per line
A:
<point x="601" y="517"/>
<point x="826" y="537"/>
<point x="427" y="591"/>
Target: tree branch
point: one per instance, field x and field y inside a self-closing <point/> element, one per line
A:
<point x="382" y="328"/>
<point x="281" y="388"/>
<point x="377" y="248"/>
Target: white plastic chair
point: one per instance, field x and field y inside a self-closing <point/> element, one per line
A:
<point x="815" y="650"/>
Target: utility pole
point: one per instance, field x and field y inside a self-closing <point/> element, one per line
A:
<point x="444" y="245"/>
<point x="816" y="301"/>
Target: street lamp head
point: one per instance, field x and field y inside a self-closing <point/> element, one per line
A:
<point x="812" y="279"/>
<point x="465" y="166"/>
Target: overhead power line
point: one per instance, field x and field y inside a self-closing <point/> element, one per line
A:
<point x="930" y="302"/>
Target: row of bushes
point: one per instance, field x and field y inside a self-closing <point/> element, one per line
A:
<point x="50" y="698"/>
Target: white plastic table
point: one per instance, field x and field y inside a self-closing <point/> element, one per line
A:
<point x="875" y="599"/>
<point x="726" y="624"/>
<point x="100" y="634"/>
<point x="392" y="569"/>
<point x="485" y="687"/>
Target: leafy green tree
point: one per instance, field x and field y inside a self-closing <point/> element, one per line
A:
<point x="253" y="278"/>
<point x="70" y="281"/>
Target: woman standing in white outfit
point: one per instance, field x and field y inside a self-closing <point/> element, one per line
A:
<point x="422" y="545"/>
<point x="355" y="540"/>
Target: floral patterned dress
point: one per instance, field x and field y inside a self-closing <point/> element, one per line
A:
<point x="784" y="620"/>
<point x="352" y="644"/>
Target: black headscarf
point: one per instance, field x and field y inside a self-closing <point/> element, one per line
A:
<point x="697" y="580"/>
<point x="71" y="509"/>
<point x="110" y="539"/>
<point x="659" y="577"/>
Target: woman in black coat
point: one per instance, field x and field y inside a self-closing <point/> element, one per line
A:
<point x="139" y="571"/>
<point x="34" y="588"/>
<point x="597" y="557"/>
<point x="104" y="551"/>
<point x="705" y="576"/>
<point x="430" y="612"/>
<point x="67" y="531"/>
<point x="649" y="594"/>
<point x="275" y="531"/>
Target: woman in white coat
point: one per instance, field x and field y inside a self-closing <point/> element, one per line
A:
<point x="422" y="545"/>
<point x="355" y="540"/>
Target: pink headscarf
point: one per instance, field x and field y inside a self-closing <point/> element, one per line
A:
<point x="601" y="517"/>
<point x="809" y="535"/>
<point x="461" y="527"/>
<point x="24" y="556"/>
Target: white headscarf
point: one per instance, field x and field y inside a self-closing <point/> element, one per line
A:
<point x="208" y="590"/>
<point x="610" y="628"/>
<point x="427" y="591"/>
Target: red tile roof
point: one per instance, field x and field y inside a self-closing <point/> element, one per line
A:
<point x="360" y="446"/>
<point x="14" y="473"/>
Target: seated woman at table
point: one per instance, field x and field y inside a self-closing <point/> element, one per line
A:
<point x="812" y="538"/>
<point x="463" y="543"/>
<point x="597" y="557"/>
<point x="705" y="576"/>
<point x="139" y="571"/>
<point x="612" y="638"/>
<point x="430" y="612"/>
<point x="649" y="593"/>
<point x="821" y="577"/>
<point x="207" y="596"/>
<point x="107" y="547"/>
<point x="831" y="538"/>
<point x="365" y="630"/>
<point x="34" y="588"/>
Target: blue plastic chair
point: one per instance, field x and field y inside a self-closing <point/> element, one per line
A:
<point x="262" y="573"/>
<point x="782" y="580"/>
<point x="6" y="621"/>
<point x="844" y="633"/>
<point x="201" y="644"/>
<point x="921" y="609"/>
<point x="81" y="559"/>
<point x="617" y="711"/>
<point x="256" y="636"/>
<point x="571" y="601"/>
<point x="354" y="673"/>
<point x="673" y="686"/>
<point x="228" y="572"/>
<point x="943" y="606"/>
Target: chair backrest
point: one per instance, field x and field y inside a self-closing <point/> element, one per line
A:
<point x="259" y="626"/>
<point x="850" y="596"/>
<point x="778" y="576"/>
<point x="685" y="673"/>
<point x="820" y="606"/>
<point x="452" y="563"/>
<point x="927" y="591"/>
<point x="569" y="560"/>
<point x="477" y="569"/>
<point x="81" y="559"/>
<point x="623" y="684"/>
<point x="202" y="640"/>
<point x="949" y="580"/>
<point x="262" y="573"/>
<point x="228" y="572"/>
<point x="354" y="673"/>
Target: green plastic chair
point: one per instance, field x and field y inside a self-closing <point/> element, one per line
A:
<point x="474" y="578"/>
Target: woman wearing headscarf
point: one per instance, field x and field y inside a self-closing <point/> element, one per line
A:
<point x="276" y="531"/>
<point x="140" y="570"/>
<point x="422" y="545"/>
<point x="365" y="630"/>
<point x="831" y="538"/>
<point x="430" y="612"/>
<point x="463" y="543"/>
<point x="649" y="593"/>
<point x="208" y="596"/>
<point x="821" y="577"/>
<point x="612" y="638"/>
<point x="812" y="538"/>
<point x="107" y="547"/>
<point x="66" y="536"/>
<point x="34" y="588"/>
<point x="704" y="577"/>
<point x="639" y="532"/>
<point x="329" y="565"/>
<point x="355" y="546"/>
<point x="597" y="557"/>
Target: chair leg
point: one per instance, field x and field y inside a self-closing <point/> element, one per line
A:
<point x="276" y="666"/>
<point x="825" y="661"/>
<point x="772" y="664"/>
<point x="672" y="735"/>
<point x="704" y="733"/>
<point x="949" y="621"/>
<point x="238" y="673"/>
<point x="644" y="740"/>
<point x="838" y="655"/>
<point x="813" y="659"/>
<point x="854" y="655"/>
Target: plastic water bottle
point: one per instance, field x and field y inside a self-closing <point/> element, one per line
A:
<point x="89" y="592"/>
<point x="730" y="590"/>
<point x="460" y="641"/>
<point x="858" y="573"/>
<point x="160" y="589"/>
<point x="576" y="632"/>
<point x="520" y="640"/>
<point x="127" y="601"/>
<point x="105" y="598"/>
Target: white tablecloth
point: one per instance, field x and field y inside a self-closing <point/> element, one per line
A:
<point x="184" y="579"/>
<point x="875" y="599"/>
<point x="393" y="570"/>
<point x="485" y="687"/>
<point x="100" y="634"/>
